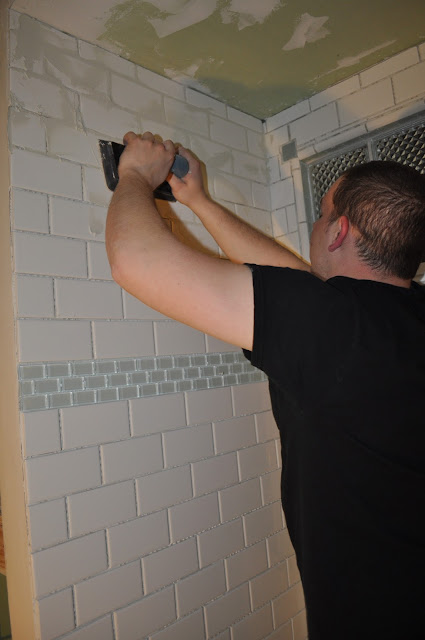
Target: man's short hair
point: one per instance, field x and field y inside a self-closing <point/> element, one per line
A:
<point x="385" y="202"/>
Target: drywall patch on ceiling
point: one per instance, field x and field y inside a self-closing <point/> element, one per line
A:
<point x="248" y="12"/>
<point x="184" y="16"/>
<point x="309" y="29"/>
<point x="352" y="60"/>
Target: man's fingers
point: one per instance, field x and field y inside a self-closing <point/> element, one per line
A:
<point x="130" y="135"/>
<point x="147" y="136"/>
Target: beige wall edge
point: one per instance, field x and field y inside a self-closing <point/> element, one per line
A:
<point x="18" y="567"/>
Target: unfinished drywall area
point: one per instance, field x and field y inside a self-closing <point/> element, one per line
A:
<point x="151" y="457"/>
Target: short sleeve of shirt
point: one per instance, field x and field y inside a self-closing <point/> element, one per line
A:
<point x="297" y="323"/>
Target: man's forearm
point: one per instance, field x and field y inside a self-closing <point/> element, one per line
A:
<point x="241" y="242"/>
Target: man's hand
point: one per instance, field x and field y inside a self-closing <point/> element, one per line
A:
<point x="147" y="157"/>
<point x="189" y="190"/>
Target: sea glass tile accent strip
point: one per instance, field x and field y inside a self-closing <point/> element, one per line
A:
<point x="65" y="384"/>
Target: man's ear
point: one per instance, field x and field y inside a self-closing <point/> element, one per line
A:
<point x="343" y="226"/>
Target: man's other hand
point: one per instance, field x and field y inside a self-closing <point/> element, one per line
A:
<point x="189" y="190"/>
<point x="147" y="157"/>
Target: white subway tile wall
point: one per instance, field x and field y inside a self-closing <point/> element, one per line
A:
<point x="152" y="468"/>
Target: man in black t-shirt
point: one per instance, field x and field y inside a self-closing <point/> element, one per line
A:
<point x="342" y="343"/>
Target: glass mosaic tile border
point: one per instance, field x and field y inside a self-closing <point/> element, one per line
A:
<point x="53" y="385"/>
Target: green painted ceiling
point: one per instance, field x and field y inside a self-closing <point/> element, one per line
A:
<point x="259" y="56"/>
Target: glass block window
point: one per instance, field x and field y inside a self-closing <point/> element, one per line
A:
<point x="402" y="142"/>
<point x="406" y="146"/>
<point x="324" y="173"/>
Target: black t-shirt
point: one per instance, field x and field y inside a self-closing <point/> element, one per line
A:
<point x="346" y="365"/>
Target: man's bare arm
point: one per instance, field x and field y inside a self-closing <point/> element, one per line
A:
<point x="212" y="295"/>
<point x="241" y="242"/>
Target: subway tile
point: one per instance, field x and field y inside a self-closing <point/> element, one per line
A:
<point x="72" y="144"/>
<point x="255" y="626"/>
<point x="208" y="405"/>
<point x="131" y="458"/>
<point x="340" y="138"/>
<point x="137" y="538"/>
<point x="68" y="563"/>
<point x="157" y="414"/>
<point x="244" y="119"/>
<point x="187" y="445"/>
<point x="287" y="115"/>
<point x="282" y="633"/>
<point x="228" y="133"/>
<point x="35" y="297"/>
<point x="194" y="516"/>
<point x="83" y="299"/>
<point x="288" y="604"/>
<point x="56" y="614"/>
<point x="48" y="525"/>
<point x="335" y="92"/>
<point x="314" y="124"/>
<point x="299" y="196"/>
<point x="175" y="338"/>
<point x="220" y="542"/>
<point x="388" y="67"/>
<point x="237" y="433"/>
<point x="267" y="586"/>
<point x="94" y="424"/>
<point x="214" y="345"/>
<point x="99" y="268"/>
<point x="135" y="97"/>
<point x="266" y="426"/>
<point x="41" y="433"/>
<point x="227" y="610"/>
<point x="41" y="340"/>
<point x="117" y="339"/>
<point x="72" y="471"/>
<point x="134" y="309"/>
<point x="160" y="83"/>
<point x="214" y="473"/>
<point x="216" y="156"/>
<point x="293" y="571"/>
<point x="257" y="460"/>
<point x="94" y="187"/>
<point x="246" y="564"/>
<point x="270" y="486"/>
<point x="232" y="189"/>
<point x="30" y="211"/>
<point x="41" y="96"/>
<point x="38" y="172"/>
<point x="27" y="130"/>
<point x="263" y="522"/>
<point x="279" y="222"/>
<point x="107" y="59"/>
<point x="200" y="588"/>
<point x="249" y="166"/>
<point x="275" y="139"/>
<point x="99" y="508"/>
<point x="282" y="193"/>
<point x="366" y="102"/>
<point x="99" y="630"/>
<point x="251" y="398"/>
<point x="395" y="115"/>
<point x="185" y="116"/>
<point x="299" y="624"/>
<point x="190" y="628"/>
<point x="144" y="617"/>
<point x="108" y="592"/>
<point x="77" y="219"/>
<point x="261" y="196"/>
<point x="279" y="547"/>
<point x="99" y="114"/>
<point x="163" y="489"/>
<point x="165" y="567"/>
<point x="409" y="83"/>
<point x="76" y="74"/>
<point x="205" y="102"/>
<point x="48" y="255"/>
<point x="240" y="499"/>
